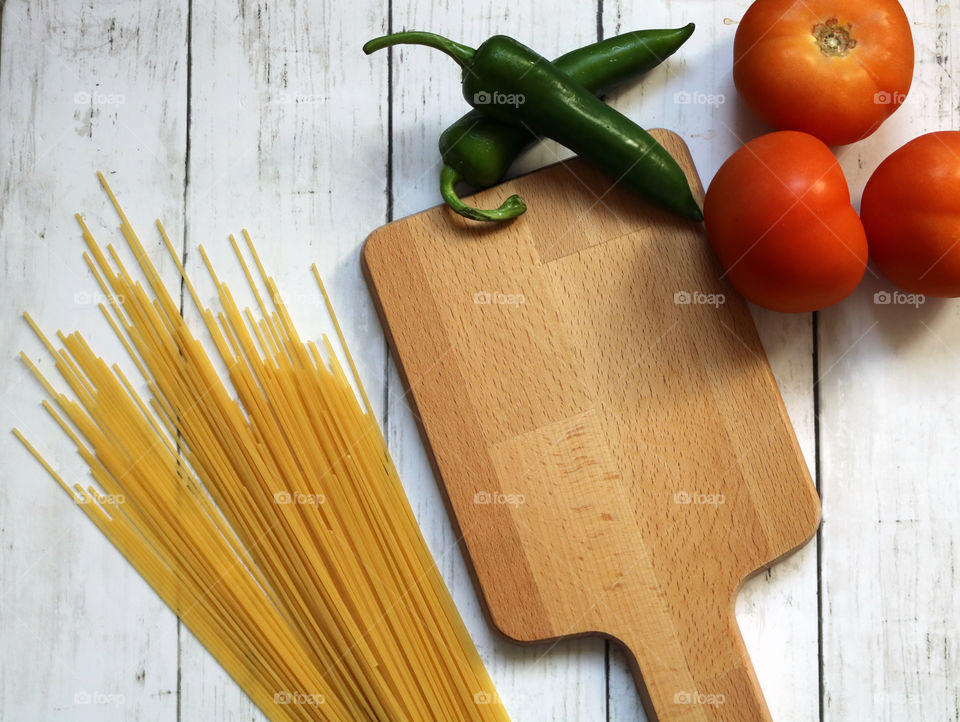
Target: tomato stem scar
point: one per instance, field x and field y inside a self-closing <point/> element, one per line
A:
<point x="833" y="38"/>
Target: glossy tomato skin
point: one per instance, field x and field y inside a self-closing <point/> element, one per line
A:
<point x="911" y="212"/>
<point x="835" y="69"/>
<point x="778" y="215"/>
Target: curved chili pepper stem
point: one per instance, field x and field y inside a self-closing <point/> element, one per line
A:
<point x="461" y="53"/>
<point x="510" y="208"/>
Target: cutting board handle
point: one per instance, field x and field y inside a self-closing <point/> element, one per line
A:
<point x="704" y="674"/>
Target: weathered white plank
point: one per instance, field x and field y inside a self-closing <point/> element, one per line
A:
<point x="693" y="94"/>
<point x="287" y="139"/>
<point x="82" y="87"/>
<point x="564" y="682"/>
<point x="889" y="427"/>
<point x="777" y="610"/>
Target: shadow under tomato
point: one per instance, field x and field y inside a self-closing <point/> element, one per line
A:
<point x="901" y="317"/>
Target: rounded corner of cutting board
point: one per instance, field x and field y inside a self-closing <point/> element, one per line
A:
<point x="509" y="626"/>
<point x="371" y="244"/>
<point x="816" y="515"/>
<point x="678" y="148"/>
<point x="670" y="136"/>
<point x="809" y="514"/>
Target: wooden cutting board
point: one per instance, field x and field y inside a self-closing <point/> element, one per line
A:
<point x="602" y="417"/>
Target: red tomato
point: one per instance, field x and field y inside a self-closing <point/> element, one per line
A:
<point x="778" y="215"/>
<point x="836" y="69"/>
<point x="911" y="212"/>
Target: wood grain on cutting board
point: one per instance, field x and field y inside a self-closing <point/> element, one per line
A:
<point x="604" y="421"/>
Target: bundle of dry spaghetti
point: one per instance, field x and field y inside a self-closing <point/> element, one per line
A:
<point x="270" y="518"/>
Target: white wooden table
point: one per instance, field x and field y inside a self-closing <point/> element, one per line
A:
<point x="218" y="116"/>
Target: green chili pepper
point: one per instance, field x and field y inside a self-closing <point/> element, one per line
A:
<point x="479" y="150"/>
<point x="508" y="81"/>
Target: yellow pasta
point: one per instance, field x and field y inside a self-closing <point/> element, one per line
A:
<point x="264" y="508"/>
